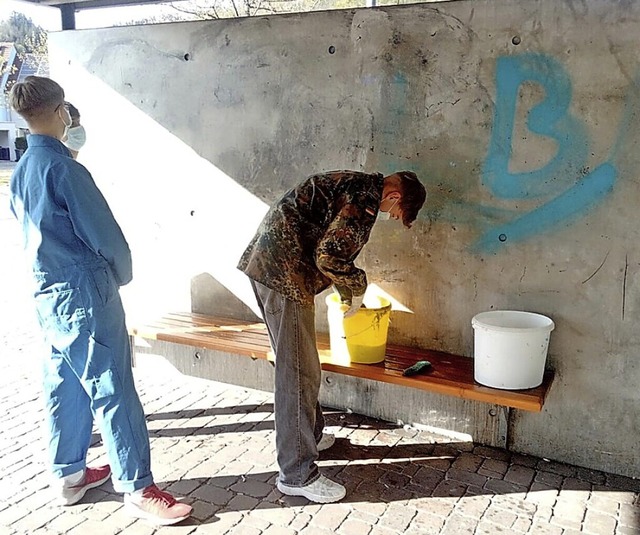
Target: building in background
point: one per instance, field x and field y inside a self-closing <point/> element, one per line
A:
<point x="15" y="68"/>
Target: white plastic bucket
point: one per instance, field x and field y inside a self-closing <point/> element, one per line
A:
<point x="510" y="348"/>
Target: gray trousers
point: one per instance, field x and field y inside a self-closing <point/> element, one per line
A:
<point x="298" y="415"/>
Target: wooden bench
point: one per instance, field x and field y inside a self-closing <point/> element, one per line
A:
<point x="450" y="375"/>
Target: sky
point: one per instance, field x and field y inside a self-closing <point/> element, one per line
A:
<point x="49" y="17"/>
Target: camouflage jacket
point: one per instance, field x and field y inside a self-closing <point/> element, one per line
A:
<point x="310" y="238"/>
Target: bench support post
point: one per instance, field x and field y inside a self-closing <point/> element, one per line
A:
<point x="132" y="348"/>
<point x="503" y="427"/>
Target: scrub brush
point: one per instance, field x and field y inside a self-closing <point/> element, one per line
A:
<point x="422" y="366"/>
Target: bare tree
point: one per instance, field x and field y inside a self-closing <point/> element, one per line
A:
<point x="219" y="9"/>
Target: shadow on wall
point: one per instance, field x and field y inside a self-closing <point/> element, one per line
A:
<point x="208" y="296"/>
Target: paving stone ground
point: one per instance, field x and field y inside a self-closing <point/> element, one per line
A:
<point x="213" y="444"/>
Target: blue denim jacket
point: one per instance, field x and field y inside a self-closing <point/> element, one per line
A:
<point x="66" y="221"/>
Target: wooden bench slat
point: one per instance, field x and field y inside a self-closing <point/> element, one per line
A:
<point x="230" y="345"/>
<point x="450" y="374"/>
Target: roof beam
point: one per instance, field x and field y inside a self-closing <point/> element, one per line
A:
<point x="68" y="8"/>
<point x="78" y="5"/>
<point x="68" y="14"/>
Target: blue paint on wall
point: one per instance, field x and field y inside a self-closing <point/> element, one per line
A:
<point x="563" y="209"/>
<point x="550" y="118"/>
<point x="395" y="94"/>
<point x="572" y="192"/>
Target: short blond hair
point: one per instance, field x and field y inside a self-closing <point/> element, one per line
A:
<point x="35" y="95"/>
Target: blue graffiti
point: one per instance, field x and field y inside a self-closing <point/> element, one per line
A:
<point x="573" y="202"/>
<point x="395" y="94"/>
<point x="571" y="191"/>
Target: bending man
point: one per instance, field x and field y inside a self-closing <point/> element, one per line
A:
<point x="309" y="240"/>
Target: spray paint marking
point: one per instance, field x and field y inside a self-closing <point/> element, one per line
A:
<point x="573" y="192"/>
<point x="395" y="94"/>
<point x="563" y="209"/>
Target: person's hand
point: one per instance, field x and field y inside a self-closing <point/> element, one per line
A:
<point x="356" y="303"/>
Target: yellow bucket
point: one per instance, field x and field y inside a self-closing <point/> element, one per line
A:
<point x="362" y="337"/>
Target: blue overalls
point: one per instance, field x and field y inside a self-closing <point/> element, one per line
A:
<point x="80" y="258"/>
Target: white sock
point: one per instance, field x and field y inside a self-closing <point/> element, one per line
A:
<point x="136" y="495"/>
<point x="72" y="479"/>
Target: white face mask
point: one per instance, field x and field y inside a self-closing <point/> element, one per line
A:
<point x="385" y="216"/>
<point x="76" y="138"/>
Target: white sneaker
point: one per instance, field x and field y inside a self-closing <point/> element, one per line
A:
<point x="326" y="441"/>
<point x="322" y="490"/>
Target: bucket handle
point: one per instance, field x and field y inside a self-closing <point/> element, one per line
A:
<point x="375" y="320"/>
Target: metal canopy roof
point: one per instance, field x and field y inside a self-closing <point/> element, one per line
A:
<point x="78" y="5"/>
<point x="68" y="8"/>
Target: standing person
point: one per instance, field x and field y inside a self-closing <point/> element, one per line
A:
<point x="80" y="258"/>
<point x="76" y="135"/>
<point x="309" y="240"/>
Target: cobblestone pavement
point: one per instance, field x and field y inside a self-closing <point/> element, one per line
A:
<point x="214" y="444"/>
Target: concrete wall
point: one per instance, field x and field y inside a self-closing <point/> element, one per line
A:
<point x="521" y="118"/>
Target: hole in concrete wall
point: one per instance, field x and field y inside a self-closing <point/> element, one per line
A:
<point x="516" y="40"/>
<point x="332" y="49"/>
<point x="502" y="237"/>
<point x="187" y="56"/>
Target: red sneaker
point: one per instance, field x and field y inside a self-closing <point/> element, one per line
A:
<point x="157" y="506"/>
<point x="93" y="477"/>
